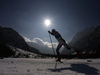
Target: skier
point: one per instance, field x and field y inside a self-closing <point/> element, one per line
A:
<point x="61" y="42"/>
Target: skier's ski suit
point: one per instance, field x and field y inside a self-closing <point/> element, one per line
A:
<point x="60" y="40"/>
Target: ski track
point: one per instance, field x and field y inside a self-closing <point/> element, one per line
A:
<point x="25" y="66"/>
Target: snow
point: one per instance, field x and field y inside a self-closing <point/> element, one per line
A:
<point x="29" y="66"/>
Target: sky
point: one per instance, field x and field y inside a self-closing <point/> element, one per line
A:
<point x="67" y="16"/>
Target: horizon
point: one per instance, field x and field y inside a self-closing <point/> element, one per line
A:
<point x="43" y="46"/>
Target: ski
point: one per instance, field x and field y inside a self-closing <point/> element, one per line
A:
<point x="81" y="55"/>
<point x="84" y="55"/>
<point x="76" y="55"/>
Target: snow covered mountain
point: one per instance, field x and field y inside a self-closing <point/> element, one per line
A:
<point x="88" y="40"/>
<point x="42" y="48"/>
<point x="81" y="37"/>
<point x="8" y="36"/>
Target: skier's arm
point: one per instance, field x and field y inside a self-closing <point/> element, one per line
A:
<point x="50" y="32"/>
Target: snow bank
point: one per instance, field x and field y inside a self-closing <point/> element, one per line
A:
<point x="25" y="66"/>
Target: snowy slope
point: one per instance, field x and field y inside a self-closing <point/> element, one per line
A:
<point x="20" y="66"/>
<point x="9" y="37"/>
<point x="88" y="39"/>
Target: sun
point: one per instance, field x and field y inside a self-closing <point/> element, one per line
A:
<point x="47" y="22"/>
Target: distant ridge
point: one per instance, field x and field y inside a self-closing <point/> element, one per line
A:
<point x="11" y="37"/>
<point x="87" y="40"/>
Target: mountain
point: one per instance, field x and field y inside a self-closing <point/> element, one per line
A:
<point x="8" y="36"/>
<point x="14" y="52"/>
<point x="42" y="48"/>
<point x="81" y="37"/>
<point x="87" y="40"/>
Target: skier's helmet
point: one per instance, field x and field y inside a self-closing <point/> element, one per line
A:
<point x="53" y="30"/>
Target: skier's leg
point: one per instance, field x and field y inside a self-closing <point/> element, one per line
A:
<point x="72" y="49"/>
<point x="65" y="44"/>
<point x="69" y="48"/>
<point x="57" y="50"/>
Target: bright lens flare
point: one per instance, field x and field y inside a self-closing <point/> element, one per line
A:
<point x="47" y="22"/>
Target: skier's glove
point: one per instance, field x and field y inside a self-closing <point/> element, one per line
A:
<point x="49" y="32"/>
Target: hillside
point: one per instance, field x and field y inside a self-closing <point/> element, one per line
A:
<point x="87" y="40"/>
<point x="8" y="36"/>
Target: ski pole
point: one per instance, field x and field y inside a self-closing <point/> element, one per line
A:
<point x="53" y="50"/>
<point x="51" y="43"/>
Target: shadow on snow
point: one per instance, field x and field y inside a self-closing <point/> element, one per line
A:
<point x="80" y="68"/>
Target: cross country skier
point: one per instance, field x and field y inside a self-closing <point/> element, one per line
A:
<point x="61" y="42"/>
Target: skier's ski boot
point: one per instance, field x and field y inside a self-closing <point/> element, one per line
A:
<point x="59" y="60"/>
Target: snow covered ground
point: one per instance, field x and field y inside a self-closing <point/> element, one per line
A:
<point x="25" y="66"/>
